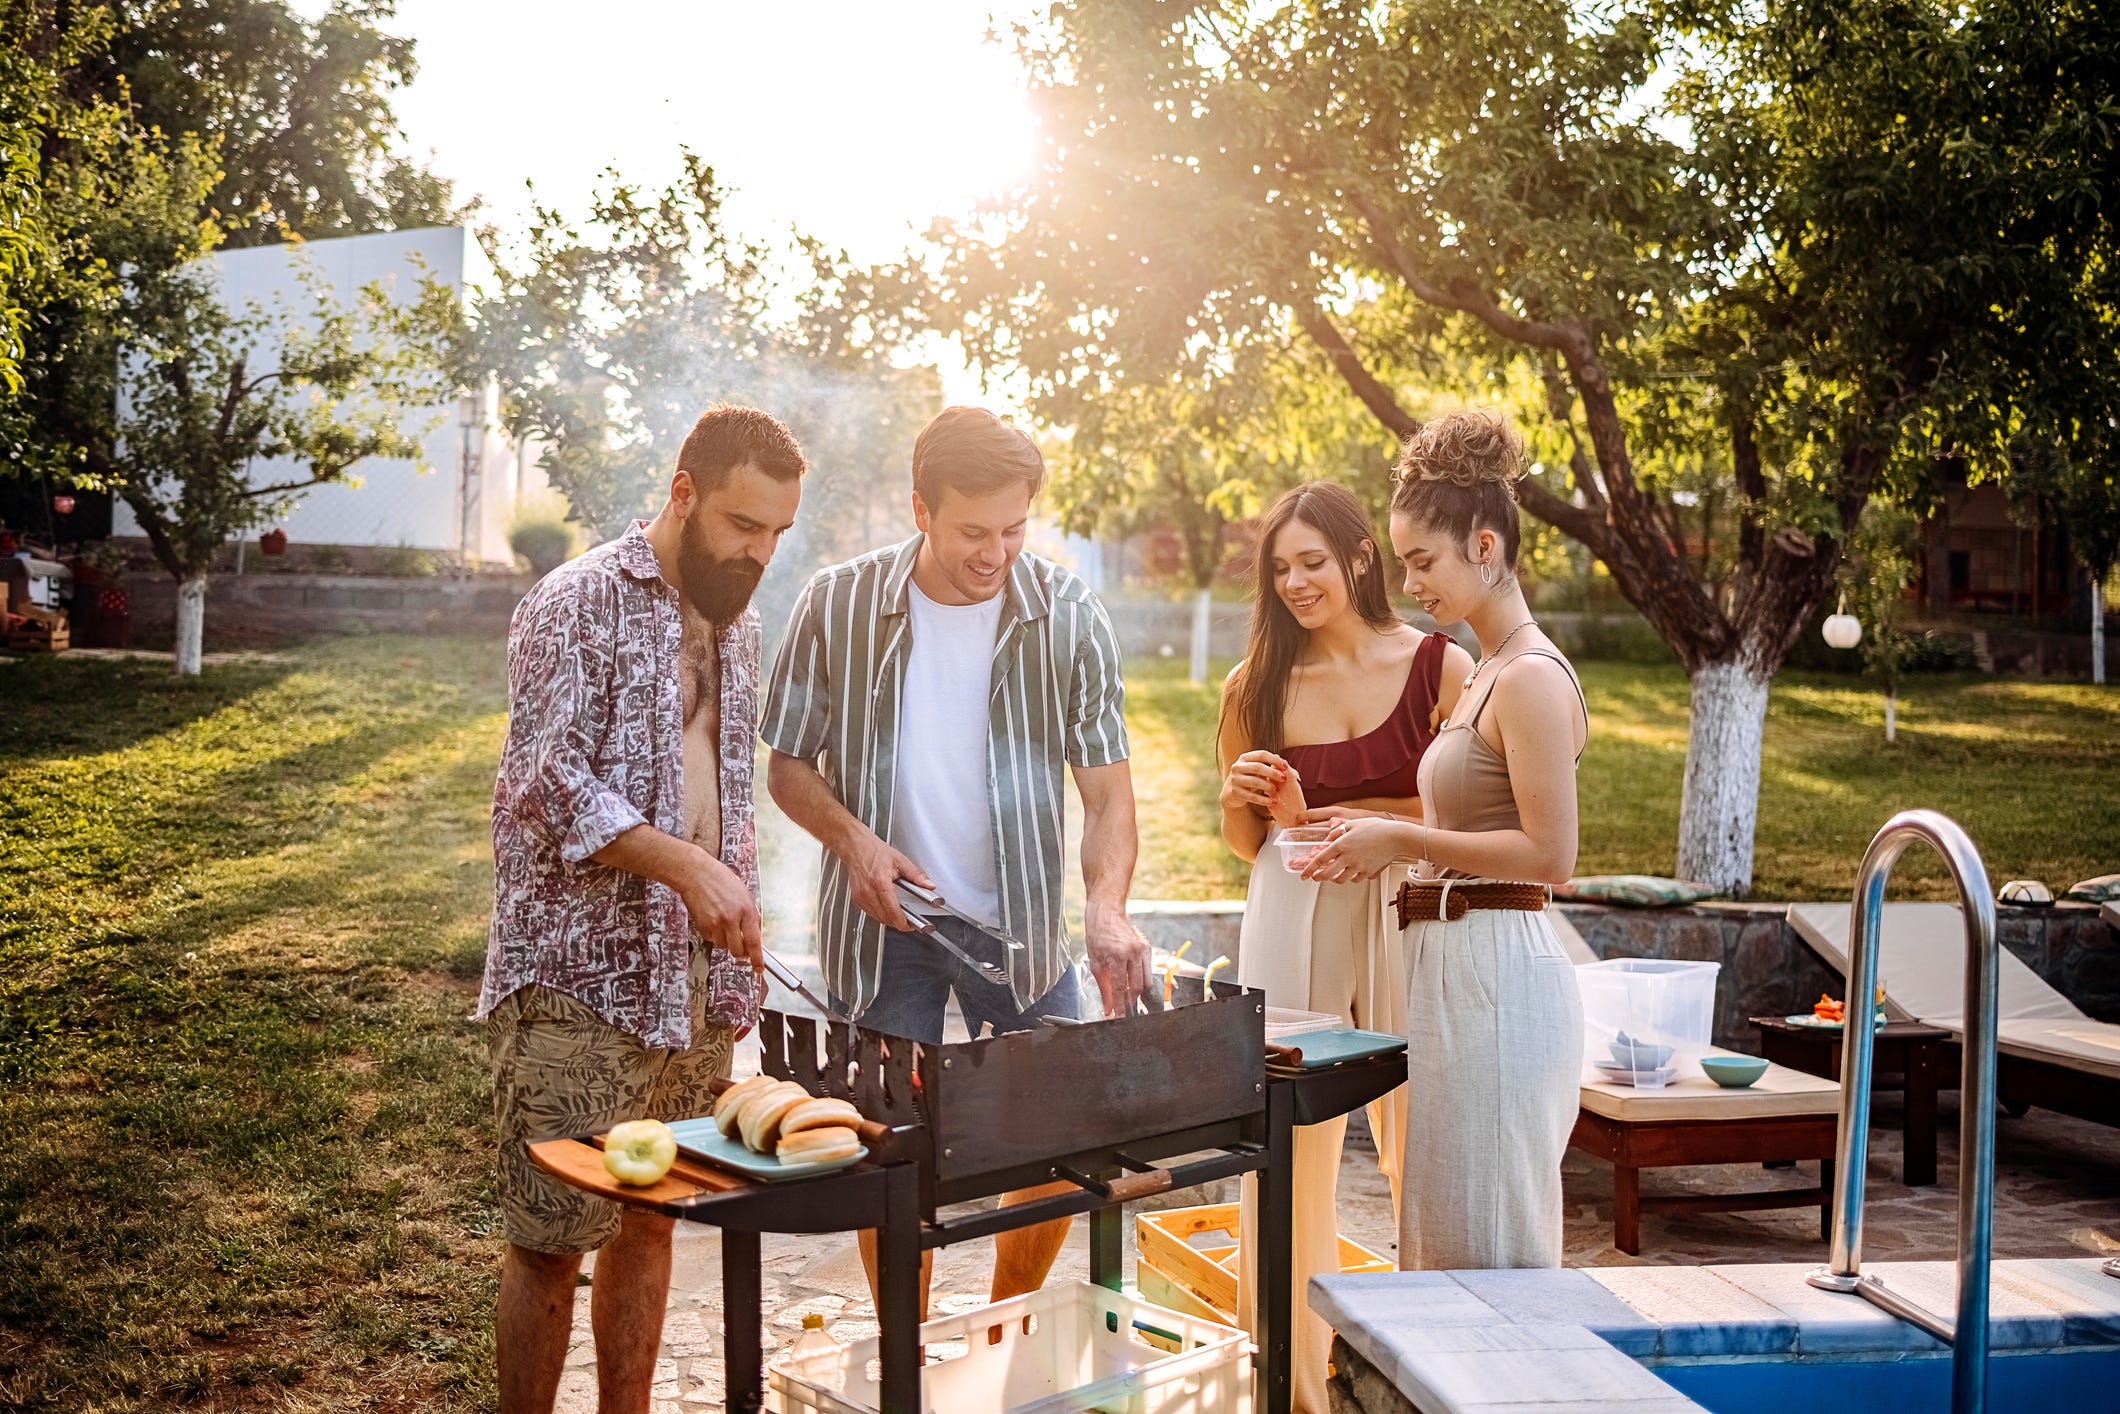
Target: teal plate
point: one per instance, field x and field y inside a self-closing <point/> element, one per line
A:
<point x="1341" y="1046"/>
<point x="699" y="1139"/>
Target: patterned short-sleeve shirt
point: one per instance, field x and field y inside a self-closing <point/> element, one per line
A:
<point x="595" y="747"/>
<point x="1057" y="699"/>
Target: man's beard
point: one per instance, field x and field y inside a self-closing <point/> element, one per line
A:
<point x="715" y="589"/>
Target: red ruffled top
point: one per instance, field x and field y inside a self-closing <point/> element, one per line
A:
<point x="1385" y="761"/>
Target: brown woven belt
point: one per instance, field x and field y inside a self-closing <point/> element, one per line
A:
<point x="1427" y="900"/>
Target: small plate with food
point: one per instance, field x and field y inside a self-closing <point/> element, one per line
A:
<point x="773" y="1129"/>
<point x="1828" y="1014"/>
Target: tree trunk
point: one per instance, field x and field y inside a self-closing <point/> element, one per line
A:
<point x="1203" y="603"/>
<point x="1891" y="717"/>
<point x="191" y="624"/>
<point x="2097" y="632"/>
<point x="1720" y="802"/>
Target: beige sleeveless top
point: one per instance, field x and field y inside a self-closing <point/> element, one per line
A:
<point x="1464" y="781"/>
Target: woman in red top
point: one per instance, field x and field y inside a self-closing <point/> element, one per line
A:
<point x="1325" y="719"/>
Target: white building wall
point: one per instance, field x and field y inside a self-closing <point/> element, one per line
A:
<point x="389" y="501"/>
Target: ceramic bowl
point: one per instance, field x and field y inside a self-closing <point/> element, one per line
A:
<point x="1639" y="1055"/>
<point x="1733" y="1072"/>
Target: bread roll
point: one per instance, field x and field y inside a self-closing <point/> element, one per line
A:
<point x="730" y="1108"/>
<point x="819" y="1146"/>
<point x="733" y="1098"/>
<point x="761" y="1119"/>
<point x="819" y="1114"/>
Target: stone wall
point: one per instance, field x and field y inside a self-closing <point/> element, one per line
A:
<point x="1767" y="969"/>
<point x="245" y="609"/>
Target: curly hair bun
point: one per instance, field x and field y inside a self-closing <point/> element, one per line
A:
<point x="1467" y="449"/>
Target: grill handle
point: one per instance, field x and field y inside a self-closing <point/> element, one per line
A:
<point x="1145" y="1183"/>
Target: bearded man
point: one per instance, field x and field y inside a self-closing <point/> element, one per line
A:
<point x="625" y="946"/>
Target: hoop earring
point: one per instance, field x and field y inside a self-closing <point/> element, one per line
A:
<point x="1487" y="573"/>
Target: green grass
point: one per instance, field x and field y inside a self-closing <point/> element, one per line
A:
<point x="245" y="1156"/>
<point x="2029" y="768"/>
<point x="244" y="1146"/>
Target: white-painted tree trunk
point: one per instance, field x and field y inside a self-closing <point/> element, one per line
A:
<point x="2097" y="633"/>
<point x="1719" y="805"/>
<point x="1891" y="718"/>
<point x="191" y="624"/>
<point x="1203" y="602"/>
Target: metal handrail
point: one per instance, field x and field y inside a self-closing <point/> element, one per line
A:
<point x="1968" y="1335"/>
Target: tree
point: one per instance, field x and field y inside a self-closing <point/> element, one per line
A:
<point x="296" y="112"/>
<point x="2076" y="489"/>
<point x="209" y="393"/>
<point x="1789" y="245"/>
<point x="1878" y="573"/>
<point x="612" y="337"/>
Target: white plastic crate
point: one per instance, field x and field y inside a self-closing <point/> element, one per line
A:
<point x="1082" y="1352"/>
<point x="1654" y="1003"/>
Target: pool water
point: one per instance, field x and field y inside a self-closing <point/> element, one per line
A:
<point x="2042" y="1382"/>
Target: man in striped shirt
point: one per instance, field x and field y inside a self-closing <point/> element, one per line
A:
<point x="922" y="710"/>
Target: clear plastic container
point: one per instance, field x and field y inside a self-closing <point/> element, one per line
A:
<point x="1646" y="1020"/>
<point x="816" y="1349"/>
<point x="1298" y="843"/>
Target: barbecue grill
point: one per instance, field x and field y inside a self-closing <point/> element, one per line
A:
<point x="1122" y="1109"/>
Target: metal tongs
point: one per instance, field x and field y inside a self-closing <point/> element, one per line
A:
<point x="911" y="893"/>
<point x="785" y="975"/>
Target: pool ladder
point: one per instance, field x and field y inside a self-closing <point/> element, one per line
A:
<point x="1968" y="1334"/>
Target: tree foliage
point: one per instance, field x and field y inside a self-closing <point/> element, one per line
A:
<point x="611" y="336"/>
<point x="296" y="112"/>
<point x="211" y="396"/>
<point x="1789" y="250"/>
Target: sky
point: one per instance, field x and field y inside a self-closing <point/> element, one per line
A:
<point x="855" y="122"/>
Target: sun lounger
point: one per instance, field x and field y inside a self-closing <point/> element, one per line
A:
<point x="2052" y="1055"/>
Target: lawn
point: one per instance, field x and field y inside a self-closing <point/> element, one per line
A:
<point x="244" y="1145"/>
<point x="2029" y="768"/>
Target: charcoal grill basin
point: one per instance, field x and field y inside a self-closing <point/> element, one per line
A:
<point x="1121" y="1109"/>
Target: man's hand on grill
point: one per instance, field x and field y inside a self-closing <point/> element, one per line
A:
<point x="1118" y="958"/>
<point x="1358" y="850"/>
<point x="722" y="909"/>
<point x="873" y="872"/>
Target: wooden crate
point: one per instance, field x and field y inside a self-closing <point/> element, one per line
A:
<point x="39" y="635"/>
<point x="1202" y="1280"/>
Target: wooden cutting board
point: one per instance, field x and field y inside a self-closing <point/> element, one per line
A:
<point x="582" y="1164"/>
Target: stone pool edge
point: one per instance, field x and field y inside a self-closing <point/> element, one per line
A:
<point x="1489" y="1342"/>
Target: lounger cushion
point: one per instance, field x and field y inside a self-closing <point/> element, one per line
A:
<point x="1921" y="963"/>
<point x="2089" y="1046"/>
<point x="2103" y="889"/>
<point x="1780" y="1092"/>
<point x="1633" y="890"/>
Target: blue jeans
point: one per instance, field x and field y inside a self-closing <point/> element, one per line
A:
<point x="913" y="992"/>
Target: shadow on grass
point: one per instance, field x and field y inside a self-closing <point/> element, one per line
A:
<point x="67" y="706"/>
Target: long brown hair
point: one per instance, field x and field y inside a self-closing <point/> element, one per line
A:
<point x="1258" y="691"/>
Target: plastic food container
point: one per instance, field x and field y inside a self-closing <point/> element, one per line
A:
<point x="1087" y="1348"/>
<point x="1655" y="1003"/>
<point x="1298" y="844"/>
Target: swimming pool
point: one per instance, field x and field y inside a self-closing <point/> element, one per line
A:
<point x="2044" y="1382"/>
<point x="1740" y="1339"/>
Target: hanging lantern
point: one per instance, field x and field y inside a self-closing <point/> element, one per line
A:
<point x="273" y="542"/>
<point x="1842" y="631"/>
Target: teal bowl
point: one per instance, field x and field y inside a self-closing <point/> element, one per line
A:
<point x="1733" y="1072"/>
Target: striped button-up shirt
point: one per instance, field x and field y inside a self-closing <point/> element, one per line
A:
<point x="1057" y="700"/>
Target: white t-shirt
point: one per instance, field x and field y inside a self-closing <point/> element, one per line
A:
<point x="939" y="814"/>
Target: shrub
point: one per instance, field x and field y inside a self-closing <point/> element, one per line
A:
<point x="545" y="542"/>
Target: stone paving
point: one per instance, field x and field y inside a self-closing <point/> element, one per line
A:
<point x="2057" y="1195"/>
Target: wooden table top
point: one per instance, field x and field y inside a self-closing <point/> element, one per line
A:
<point x="1891" y="1030"/>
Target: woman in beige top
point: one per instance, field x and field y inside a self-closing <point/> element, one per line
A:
<point x="1493" y="1022"/>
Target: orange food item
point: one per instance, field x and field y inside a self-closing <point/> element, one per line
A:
<point x="1829" y="1010"/>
